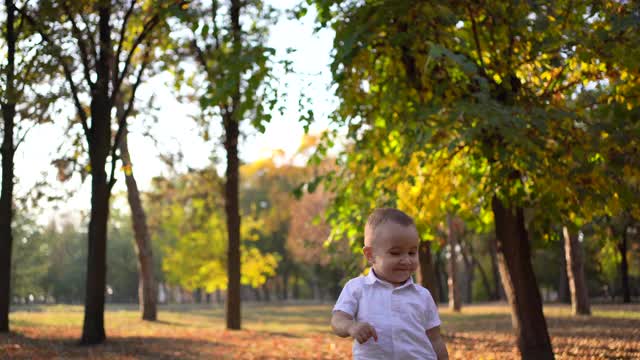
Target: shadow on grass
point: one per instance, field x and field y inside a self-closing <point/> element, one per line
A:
<point x="284" y="334"/>
<point x="19" y="346"/>
<point x="465" y="322"/>
<point x="561" y="325"/>
<point x="292" y="315"/>
<point x="169" y="323"/>
<point x="597" y="326"/>
<point x="598" y="336"/>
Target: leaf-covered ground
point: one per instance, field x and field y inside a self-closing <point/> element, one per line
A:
<point x="301" y="332"/>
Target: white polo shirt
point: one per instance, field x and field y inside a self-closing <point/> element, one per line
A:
<point x="401" y="315"/>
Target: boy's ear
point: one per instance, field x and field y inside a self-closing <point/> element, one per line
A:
<point x="368" y="253"/>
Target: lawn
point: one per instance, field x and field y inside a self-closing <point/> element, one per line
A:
<point x="301" y="332"/>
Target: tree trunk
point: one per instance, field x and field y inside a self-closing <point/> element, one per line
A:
<point x="520" y="285"/>
<point x="575" y="273"/>
<point x="426" y="274"/>
<point x="624" y="266"/>
<point x="218" y="296"/>
<point x="285" y="284"/>
<point x="278" y="288"/>
<point x="452" y="240"/>
<point x="469" y="270"/>
<point x="497" y="284"/>
<point x="491" y="292"/>
<point x="296" y="284"/>
<point x="231" y="133"/>
<point x="7" y="151"/>
<point x="6" y="217"/>
<point x="147" y="293"/>
<point x="233" y="224"/>
<point x="315" y="283"/>
<point x="564" y="295"/>
<point x="440" y="281"/>
<point x="470" y="259"/>
<point x="267" y="293"/>
<point x="99" y="142"/>
<point x="93" y="329"/>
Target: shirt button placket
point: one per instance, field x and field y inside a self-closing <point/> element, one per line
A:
<point x="394" y="318"/>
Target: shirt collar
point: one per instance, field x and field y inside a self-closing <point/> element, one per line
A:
<point x="371" y="279"/>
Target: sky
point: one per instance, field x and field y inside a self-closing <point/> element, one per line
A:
<point x="176" y="129"/>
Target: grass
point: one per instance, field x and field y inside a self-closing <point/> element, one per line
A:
<point x="301" y="332"/>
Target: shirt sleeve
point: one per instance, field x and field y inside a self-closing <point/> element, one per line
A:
<point x="348" y="299"/>
<point x="432" y="319"/>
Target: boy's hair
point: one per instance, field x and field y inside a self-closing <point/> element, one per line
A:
<point x="383" y="215"/>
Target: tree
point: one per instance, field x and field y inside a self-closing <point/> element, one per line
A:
<point x="198" y="259"/>
<point x="189" y="224"/>
<point x="307" y="241"/>
<point x="473" y="78"/>
<point x="30" y="260"/>
<point x="23" y="106"/>
<point x="612" y="109"/>
<point x="236" y="70"/>
<point x="7" y="151"/>
<point x="442" y="194"/>
<point x="96" y="69"/>
<point x="64" y="261"/>
<point x="575" y="273"/>
<point x="269" y="184"/>
<point x="66" y="271"/>
<point x="147" y="288"/>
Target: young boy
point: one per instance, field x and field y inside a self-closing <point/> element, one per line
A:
<point x="387" y="315"/>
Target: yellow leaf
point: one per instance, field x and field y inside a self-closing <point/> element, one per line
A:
<point x="624" y="75"/>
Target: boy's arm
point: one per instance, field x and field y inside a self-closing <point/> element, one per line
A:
<point x="438" y="343"/>
<point x="344" y="326"/>
<point x="340" y="323"/>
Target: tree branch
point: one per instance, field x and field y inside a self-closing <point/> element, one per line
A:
<point x="548" y="88"/>
<point x="123" y="119"/>
<point x="26" y="70"/>
<point x="67" y="71"/>
<point x="18" y="31"/>
<point x="216" y="31"/>
<point x="202" y="59"/>
<point x="511" y="40"/>
<point x="24" y="135"/>
<point x="123" y="28"/>
<point x="476" y="39"/>
<point x="92" y="40"/>
<point x="148" y="26"/>
<point x="84" y="56"/>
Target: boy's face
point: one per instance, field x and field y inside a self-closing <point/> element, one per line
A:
<point x="394" y="252"/>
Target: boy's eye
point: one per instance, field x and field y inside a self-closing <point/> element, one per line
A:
<point x="412" y="253"/>
<point x="395" y="253"/>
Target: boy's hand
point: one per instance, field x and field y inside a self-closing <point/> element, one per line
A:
<point x="362" y="332"/>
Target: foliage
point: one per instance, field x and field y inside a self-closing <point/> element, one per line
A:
<point x="309" y="232"/>
<point x="204" y="32"/>
<point x="67" y="257"/>
<point x="448" y="104"/>
<point x="29" y="261"/>
<point x="50" y="262"/>
<point x="191" y="227"/>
